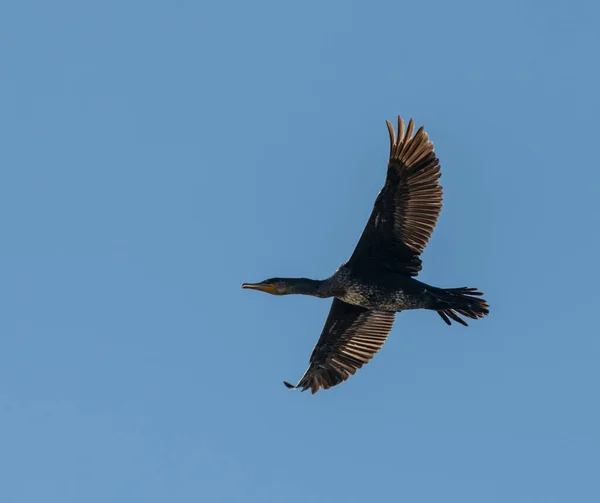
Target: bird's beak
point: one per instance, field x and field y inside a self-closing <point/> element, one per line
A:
<point x="263" y="287"/>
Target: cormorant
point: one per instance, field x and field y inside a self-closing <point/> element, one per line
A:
<point x="379" y="278"/>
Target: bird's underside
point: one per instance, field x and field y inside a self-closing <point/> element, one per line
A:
<point x="401" y="223"/>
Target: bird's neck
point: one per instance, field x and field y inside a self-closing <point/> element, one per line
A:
<point x="305" y="286"/>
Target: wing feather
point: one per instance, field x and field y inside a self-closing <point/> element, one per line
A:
<point x="407" y="208"/>
<point x="350" y="338"/>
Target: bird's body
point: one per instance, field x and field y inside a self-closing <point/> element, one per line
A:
<point x="379" y="278"/>
<point x="377" y="288"/>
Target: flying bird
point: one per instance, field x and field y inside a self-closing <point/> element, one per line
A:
<point x="379" y="278"/>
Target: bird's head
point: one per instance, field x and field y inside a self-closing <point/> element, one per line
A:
<point x="274" y="286"/>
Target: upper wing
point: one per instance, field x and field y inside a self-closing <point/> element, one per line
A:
<point x="407" y="208"/>
<point x="351" y="337"/>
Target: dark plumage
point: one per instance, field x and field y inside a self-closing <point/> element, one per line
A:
<point x="379" y="278"/>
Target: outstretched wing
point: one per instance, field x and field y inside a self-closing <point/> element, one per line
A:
<point x="407" y="208"/>
<point x="351" y="337"/>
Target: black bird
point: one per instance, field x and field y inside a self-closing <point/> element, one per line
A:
<point x="379" y="278"/>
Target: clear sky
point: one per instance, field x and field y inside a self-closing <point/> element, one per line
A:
<point x="155" y="155"/>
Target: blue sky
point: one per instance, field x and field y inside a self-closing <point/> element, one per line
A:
<point x="155" y="155"/>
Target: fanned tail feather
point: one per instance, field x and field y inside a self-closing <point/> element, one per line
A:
<point x="461" y="301"/>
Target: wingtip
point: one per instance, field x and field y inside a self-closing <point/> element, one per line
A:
<point x="392" y="136"/>
<point x="400" y="129"/>
<point x="289" y="386"/>
<point x="410" y="129"/>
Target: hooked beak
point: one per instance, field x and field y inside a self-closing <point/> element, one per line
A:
<point x="262" y="287"/>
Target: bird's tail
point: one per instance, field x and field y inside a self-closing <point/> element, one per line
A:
<point x="452" y="302"/>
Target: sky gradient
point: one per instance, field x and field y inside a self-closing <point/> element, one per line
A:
<point x="155" y="155"/>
